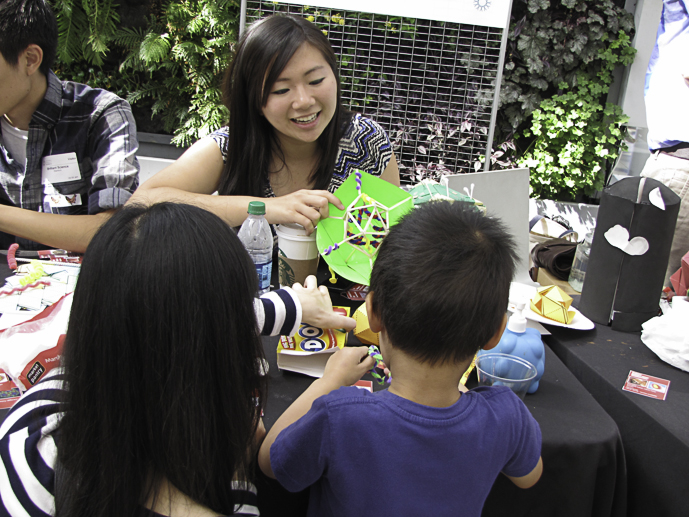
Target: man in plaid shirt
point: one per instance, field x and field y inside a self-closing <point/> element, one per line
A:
<point x="67" y="151"/>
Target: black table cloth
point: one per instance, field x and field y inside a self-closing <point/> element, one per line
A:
<point x="655" y="433"/>
<point x="584" y="465"/>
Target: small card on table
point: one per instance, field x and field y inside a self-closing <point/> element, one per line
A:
<point x="646" y="385"/>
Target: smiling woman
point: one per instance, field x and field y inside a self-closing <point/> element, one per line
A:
<point x="289" y="140"/>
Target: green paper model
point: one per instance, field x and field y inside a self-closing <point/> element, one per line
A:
<point x="429" y="190"/>
<point x="348" y="240"/>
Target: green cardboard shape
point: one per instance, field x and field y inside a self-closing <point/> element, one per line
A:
<point x="353" y="261"/>
<point x="429" y="190"/>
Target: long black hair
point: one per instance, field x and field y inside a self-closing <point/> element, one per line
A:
<point x="162" y="364"/>
<point x="260" y="57"/>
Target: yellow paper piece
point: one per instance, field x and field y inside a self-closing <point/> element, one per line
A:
<point x="363" y="330"/>
<point x="553" y="303"/>
<point x="465" y="377"/>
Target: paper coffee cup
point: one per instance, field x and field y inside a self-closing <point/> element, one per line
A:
<point x="297" y="254"/>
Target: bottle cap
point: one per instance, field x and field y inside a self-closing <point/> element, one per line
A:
<point x="256" y="208"/>
<point x="517" y="322"/>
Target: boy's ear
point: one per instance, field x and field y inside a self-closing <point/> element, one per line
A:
<point x="496" y="337"/>
<point x="373" y="320"/>
<point x="33" y="57"/>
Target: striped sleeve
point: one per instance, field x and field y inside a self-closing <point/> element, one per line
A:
<point x="245" y="492"/>
<point x="28" y="450"/>
<point x="278" y="313"/>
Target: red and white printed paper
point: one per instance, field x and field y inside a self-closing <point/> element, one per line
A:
<point x="364" y="385"/>
<point x="9" y="392"/>
<point x="646" y="385"/>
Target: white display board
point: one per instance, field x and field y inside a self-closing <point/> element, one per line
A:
<point x="485" y="13"/>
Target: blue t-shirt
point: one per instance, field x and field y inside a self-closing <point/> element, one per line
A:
<point x="379" y="453"/>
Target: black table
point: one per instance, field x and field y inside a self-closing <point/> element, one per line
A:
<point x="655" y="433"/>
<point x="584" y="464"/>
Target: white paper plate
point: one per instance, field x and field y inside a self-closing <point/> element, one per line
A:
<point x="526" y="292"/>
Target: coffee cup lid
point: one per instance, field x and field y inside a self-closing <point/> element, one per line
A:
<point x="292" y="229"/>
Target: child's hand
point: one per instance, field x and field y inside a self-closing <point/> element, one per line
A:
<point x="317" y="308"/>
<point x="348" y="365"/>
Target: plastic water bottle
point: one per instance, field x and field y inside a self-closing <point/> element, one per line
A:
<point x="257" y="238"/>
<point x="581" y="261"/>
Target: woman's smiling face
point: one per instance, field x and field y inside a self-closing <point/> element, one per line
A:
<point x="303" y="99"/>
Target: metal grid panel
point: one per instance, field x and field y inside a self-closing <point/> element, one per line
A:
<point x="430" y="84"/>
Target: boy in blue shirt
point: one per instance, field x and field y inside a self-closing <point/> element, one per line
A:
<point x="439" y="293"/>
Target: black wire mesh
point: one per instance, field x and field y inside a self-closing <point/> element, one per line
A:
<point x="430" y="84"/>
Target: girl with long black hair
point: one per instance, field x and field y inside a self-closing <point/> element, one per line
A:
<point x="289" y="140"/>
<point x="156" y="409"/>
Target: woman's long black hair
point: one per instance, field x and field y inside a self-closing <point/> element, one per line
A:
<point x="161" y="361"/>
<point x="261" y="55"/>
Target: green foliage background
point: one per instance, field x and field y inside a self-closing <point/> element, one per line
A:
<point x="168" y="58"/>
<point x="168" y="63"/>
<point x="557" y="76"/>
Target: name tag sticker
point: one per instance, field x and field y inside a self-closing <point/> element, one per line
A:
<point x="60" y="168"/>
<point x="60" y="201"/>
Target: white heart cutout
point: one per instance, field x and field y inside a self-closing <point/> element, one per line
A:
<point x="618" y="236"/>
<point x="656" y="198"/>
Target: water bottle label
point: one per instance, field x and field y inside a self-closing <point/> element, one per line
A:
<point x="264" y="272"/>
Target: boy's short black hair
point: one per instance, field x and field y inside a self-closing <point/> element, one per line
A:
<point x="23" y="22"/>
<point x="441" y="281"/>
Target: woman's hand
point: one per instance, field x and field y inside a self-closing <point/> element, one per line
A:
<point x="317" y="307"/>
<point x="348" y="365"/>
<point x="304" y="207"/>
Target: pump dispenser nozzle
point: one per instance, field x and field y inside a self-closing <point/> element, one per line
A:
<point x="517" y="322"/>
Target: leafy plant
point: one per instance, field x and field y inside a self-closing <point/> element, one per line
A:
<point x="557" y="72"/>
<point x="179" y="60"/>
<point x="575" y="133"/>
<point x="85" y="28"/>
<point x="550" y="43"/>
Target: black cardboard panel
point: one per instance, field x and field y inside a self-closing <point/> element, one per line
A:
<point x="630" y="284"/>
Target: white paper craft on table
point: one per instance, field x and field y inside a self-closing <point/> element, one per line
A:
<point x="522" y="291"/>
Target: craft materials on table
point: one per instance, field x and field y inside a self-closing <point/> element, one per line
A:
<point x="465" y="375"/>
<point x="553" y="303"/>
<point x="9" y="392"/>
<point x="646" y="385"/>
<point x="429" y="190"/>
<point x="519" y="292"/>
<point x="680" y="278"/>
<point x="15" y="255"/>
<point x="33" y="287"/>
<point x="379" y="371"/>
<point x="363" y="330"/>
<point x="349" y="239"/>
<point x="30" y="349"/>
<point x="356" y="293"/>
<point x="364" y="385"/>
<point x="309" y="349"/>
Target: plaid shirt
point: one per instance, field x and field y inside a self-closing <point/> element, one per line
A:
<point x="73" y="118"/>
